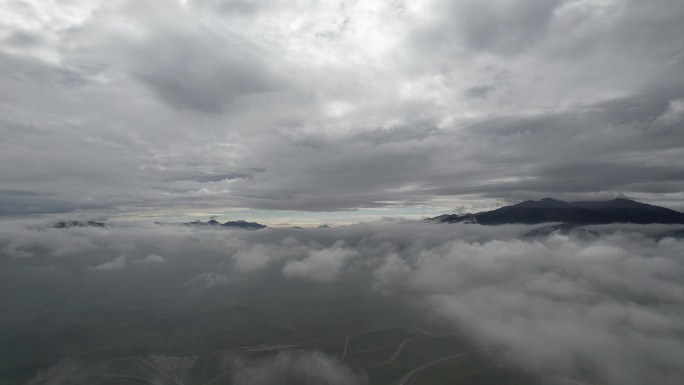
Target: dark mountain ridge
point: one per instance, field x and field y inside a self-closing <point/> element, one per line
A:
<point x="68" y="224"/>
<point x="239" y="223"/>
<point x="619" y="210"/>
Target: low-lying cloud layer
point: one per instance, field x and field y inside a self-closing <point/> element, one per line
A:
<point x="603" y="310"/>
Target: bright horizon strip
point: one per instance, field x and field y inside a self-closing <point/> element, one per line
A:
<point x="288" y="218"/>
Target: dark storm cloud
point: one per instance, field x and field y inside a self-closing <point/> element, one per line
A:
<point x="202" y="72"/>
<point x="503" y="28"/>
<point x="621" y="146"/>
<point x="28" y="70"/>
<point x="239" y="7"/>
<point x="214" y="177"/>
<point x="17" y="203"/>
<point x="23" y="39"/>
<point x="123" y="105"/>
<point x="562" y="306"/>
<point x="479" y="92"/>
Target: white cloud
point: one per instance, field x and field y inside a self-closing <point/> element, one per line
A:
<point x="608" y="301"/>
<point x="673" y="114"/>
<point x="253" y="259"/>
<point x="561" y="305"/>
<point x="154" y="258"/>
<point x="113" y="265"/>
<point x="321" y="265"/>
<point x="209" y="280"/>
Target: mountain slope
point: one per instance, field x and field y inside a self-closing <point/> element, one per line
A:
<point x="579" y="213"/>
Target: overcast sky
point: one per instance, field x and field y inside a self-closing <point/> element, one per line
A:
<point x="150" y="108"/>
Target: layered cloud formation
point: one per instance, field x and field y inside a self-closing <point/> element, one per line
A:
<point x="605" y="310"/>
<point x="204" y="104"/>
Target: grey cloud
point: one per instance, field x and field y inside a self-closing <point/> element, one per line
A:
<point x="216" y="178"/>
<point x="213" y="177"/>
<point x="230" y="7"/>
<point x="479" y="101"/>
<point x="298" y="368"/>
<point x="24" y="39"/>
<point x="115" y="264"/>
<point x="200" y="71"/>
<point x="321" y="265"/>
<point x="535" y="298"/>
<point x="618" y="147"/>
<point x="22" y="70"/>
<point x="208" y="280"/>
<point x="409" y="134"/>
<point x="154" y="258"/>
<point x="507" y="28"/>
<point x="37" y="203"/>
<point x="479" y="92"/>
<point x="68" y="371"/>
<point x="19" y="192"/>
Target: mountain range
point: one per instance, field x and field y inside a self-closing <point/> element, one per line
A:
<point x="68" y="224"/>
<point x="239" y="223"/>
<point x="619" y="210"/>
